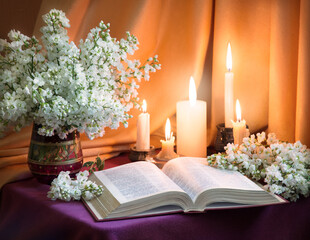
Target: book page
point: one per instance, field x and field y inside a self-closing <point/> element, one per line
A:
<point x="136" y="180"/>
<point x="194" y="177"/>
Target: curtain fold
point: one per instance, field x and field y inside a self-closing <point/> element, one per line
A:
<point x="283" y="68"/>
<point x="302" y="129"/>
<point x="270" y="48"/>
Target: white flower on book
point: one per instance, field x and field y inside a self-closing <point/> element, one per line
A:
<point x="285" y="167"/>
<point x="65" y="188"/>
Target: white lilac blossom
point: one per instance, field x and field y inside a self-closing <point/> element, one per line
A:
<point x="63" y="87"/>
<point x="284" y="167"/>
<point x="67" y="189"/>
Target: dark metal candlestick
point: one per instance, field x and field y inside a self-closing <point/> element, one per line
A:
<point x="223" y="137"/>
<point x="135" y="155"/>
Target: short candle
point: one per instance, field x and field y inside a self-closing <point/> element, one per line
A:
<point x="239" y="127"/>
<point x="167" y="149"/>
<point x="143" y="129"/>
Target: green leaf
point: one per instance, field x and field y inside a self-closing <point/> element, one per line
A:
<point x="98" y="161"/>
<point x="88" y="164"/>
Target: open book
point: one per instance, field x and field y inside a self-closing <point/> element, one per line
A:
<point x="184" y="184"/>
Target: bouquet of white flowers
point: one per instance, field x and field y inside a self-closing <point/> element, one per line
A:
<point x="62" y="87"/>
<point x="284" y="167"/>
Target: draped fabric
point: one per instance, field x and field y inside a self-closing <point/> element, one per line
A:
<point x="270" y="42"/>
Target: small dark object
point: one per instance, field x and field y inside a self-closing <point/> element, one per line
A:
<point x="135" y="155"/>
<point x="223" y="137"/>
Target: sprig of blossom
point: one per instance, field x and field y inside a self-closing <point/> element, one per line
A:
<point x="284" y="167"/>
<point x="63" y="87"/>
<point x="67" y="189"/>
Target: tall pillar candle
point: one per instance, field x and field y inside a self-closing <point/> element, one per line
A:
<point x="239" y="127"/>
<point x="143" y="130"/>
<point x="191" y="125"/>
<point x="229" y="90"/>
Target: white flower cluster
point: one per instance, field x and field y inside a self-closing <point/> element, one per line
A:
<point x="64" y="188"/>
<point x="284" y="167"/>
<point x="62" y="87"/>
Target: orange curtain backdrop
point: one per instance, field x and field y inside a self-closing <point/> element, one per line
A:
<point x="270" y="47"/>
<point x="270" y="43"/>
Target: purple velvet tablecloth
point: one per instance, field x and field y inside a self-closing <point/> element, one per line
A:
<point x="26" y="213"/>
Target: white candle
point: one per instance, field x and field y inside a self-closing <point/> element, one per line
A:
<point x="239" y="127"/>
<point x="229" y="90"/>
<point x="143" y="130"/>
<point x="167" y="149"/>
<point x="191" y="125"/>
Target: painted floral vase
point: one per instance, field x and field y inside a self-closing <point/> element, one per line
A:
<point x="48" y="156"/>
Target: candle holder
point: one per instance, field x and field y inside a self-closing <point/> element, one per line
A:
<point x="165" y="155"/>
<point x="161" y="158"/>
<point x="223" y="137"/>
<point x="140" y="155"/>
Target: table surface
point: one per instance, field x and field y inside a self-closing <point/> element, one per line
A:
<point x="26" y="213"/>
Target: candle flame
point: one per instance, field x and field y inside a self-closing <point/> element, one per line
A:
<point x="144" y="105"/>
<point x="229" y="58"/>
<point x="168" y="133"/>
<point x="192" y="92"/>
<point x="238" y="111"/>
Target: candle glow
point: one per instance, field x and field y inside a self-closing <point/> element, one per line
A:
<point x="192" y="92"/>
<point x="229" y="58"/>
<point x="238" y="111"/>
<point x="168" y="133"/>
<point x="229" y="90"/>
<point x="144" y="106"/>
